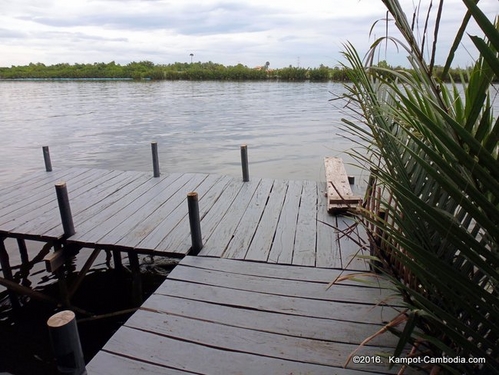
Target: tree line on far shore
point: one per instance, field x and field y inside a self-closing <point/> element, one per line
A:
<point x="184" y="71"/>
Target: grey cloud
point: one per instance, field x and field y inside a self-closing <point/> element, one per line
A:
<point x="11" y="34"/>
<point x="221" y="18"/>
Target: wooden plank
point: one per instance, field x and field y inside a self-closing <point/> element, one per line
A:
<point x="349" y="244"/>
<point x="166" y="237"/>
<point x="241" y="340"/>
<point x="136" y="212"/>
<point x="102" y="222"/>
<point x="88" y="194"/>
<point x="216" y="244"/>
<point x="259" y="249"/>
<point x="265" y="321"/>
<point x="282" y="287"/>
<point x="105" y="363"/>
<point x="277" y="271"/>
<point x="20" y="189"/>
<point x="211" y="218"/>
<point x="26" y="202"/>
<point x="165" y="217"/>
<point x="30" y="178"/>
<point x="41" y="219"/>
<point x="284" y="239"/>
<point x="90" y="218"/>
<point x="306" y="227"/>
<point x="353" y="312"/>
<point x="328" y="251"/>
<point x="156" y="226"/>
<point x="339" y="192"/>
<point x="243" y="234"/>
<point x="87" y="205"/>
<point x="201" y="359"/>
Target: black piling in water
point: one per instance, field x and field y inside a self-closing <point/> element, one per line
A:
<point x="64" y="208"/>
<point x="244" y="162"/>
<point x="155" y="159"/>
<point x="351" y="180"/>
<point x="66" y="343"/>
<point x="46" y="158"/>
<point x="195" y="223"/>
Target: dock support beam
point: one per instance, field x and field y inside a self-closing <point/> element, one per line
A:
<point x="64" y="208"/>
<point x="195" y="223"/>
<point x="66" y="343"/>
<point x="133" y="258"/>
<point x="7" y="272"/>
<point x="155" y="159"/>
<point x="244" y="162"/>
<point x="46" y="158"/>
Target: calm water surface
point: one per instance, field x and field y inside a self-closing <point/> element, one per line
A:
<point x="199" y="126"/>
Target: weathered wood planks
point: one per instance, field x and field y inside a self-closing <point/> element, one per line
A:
<point x="339" y="192"/>
<point x="262" y="220"/>
<point x="232" y="323"/>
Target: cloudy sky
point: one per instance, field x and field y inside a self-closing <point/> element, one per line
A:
<point x="291" y="32"/>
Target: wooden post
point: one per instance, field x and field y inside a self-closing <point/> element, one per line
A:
<point x="155" y="159"/>
<point x="64" y="208"/>
<point x="136" y="279"/>
<point x="244" y="162"/>
<point x="351" y="180"/>
<point x="46" y="157"/>
<point x="66" y="343"/>
<point x="118" y="263"/>
<point x="195" y="223"/>
<point x="7" y="272"/>
<point x="23" y="251"/>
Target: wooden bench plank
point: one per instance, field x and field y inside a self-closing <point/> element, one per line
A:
<point x="284" y="240"/>
<point x="339" y="193"/>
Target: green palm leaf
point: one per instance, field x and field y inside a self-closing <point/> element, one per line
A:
<point x="434" y="156"/>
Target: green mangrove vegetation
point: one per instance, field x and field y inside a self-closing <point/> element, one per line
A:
<point x="432" y="209"/>
<point x="182" y="71"/>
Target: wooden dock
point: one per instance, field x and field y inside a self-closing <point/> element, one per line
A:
<point x="224" y="316"/>
<point x="254" y="300"/>
<point x="266" y="220"/>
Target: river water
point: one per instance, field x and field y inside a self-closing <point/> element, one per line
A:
<point x="199" y="126"/>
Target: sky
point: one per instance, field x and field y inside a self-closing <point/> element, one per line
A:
<point x="251" y="32"/>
